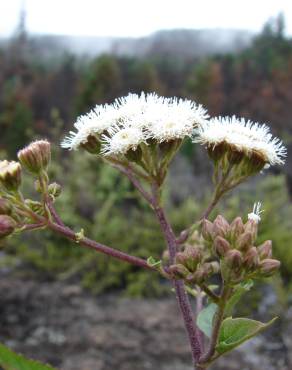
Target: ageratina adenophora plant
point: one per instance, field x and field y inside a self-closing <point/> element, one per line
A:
<point x="139" y="136"/>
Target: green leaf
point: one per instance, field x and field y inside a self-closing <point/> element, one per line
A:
<point x="205" y="319"/>
<point x="240" y="289"/>
<point x="234" y="332"/>
<point x="152" y="262"/>
<point x="13" y="361"/>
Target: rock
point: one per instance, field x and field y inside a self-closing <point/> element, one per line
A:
<point x="72" y="330"/>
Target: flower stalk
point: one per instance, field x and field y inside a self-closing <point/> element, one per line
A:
<point x="139" y="136"/>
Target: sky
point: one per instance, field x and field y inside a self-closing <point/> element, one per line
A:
<point x="135" y="18"/>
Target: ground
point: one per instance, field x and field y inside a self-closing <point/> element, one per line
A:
<point x="73" y="330"/>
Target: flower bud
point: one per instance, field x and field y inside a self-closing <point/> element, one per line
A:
<point x="7" y="226"/>
<point x="5" y="207"/>
<point x="207" y="230"/>
<point x="251" y="227"/>
<point x="236" y="228"/>
<point x="251" y="259"/>
<point x="197" y="277"/>
<point x="178" y="271"/>
<point x="269" y="266"/>
<point x="221" y="246"/>
<point x="189" y="258"/>
<point x="193" y="255"/>
<point x="244" y="242"/>
<point x="92" y="144"/>
<point x="10" y="175"/>
<point x="35" y="206"/>
<point x="181" y="258"/>
<point x="265" y="250"/>
<point x="54" y="189"/>
<point x="36" y="156"/>
<point x="233" y="259"/>
<point x="220" y="226"/>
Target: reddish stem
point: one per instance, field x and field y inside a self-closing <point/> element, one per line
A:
<point x="199" y="307"/>
<point x="181" y="295"/>
<point x="53" y="211"/>
<point x="70" y="234"/>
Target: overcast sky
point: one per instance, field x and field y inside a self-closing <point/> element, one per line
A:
<point x="139" y="17"/>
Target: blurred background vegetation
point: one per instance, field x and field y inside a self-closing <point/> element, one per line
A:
<point x="42" y="90"/>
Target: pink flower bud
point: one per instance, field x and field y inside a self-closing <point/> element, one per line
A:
<point x="180" y="258"/>
<point x="36" y="156"/>
<point x="236" y="228"/>
<point x="251" y="226"/>
<point x="7" y="226"/>
<point x="193" y="255"/>
<point x="251" y="259"/>
<point x="190" y="257"/>
<point x="207" y="230"/>
<point x="233" y="259"/>
<point x="269" y="266"/>
<point x="265" y="250"/>
<point x="221" y="246"/>
<point x="244" y="242"/>
<point x="220" y="226"/>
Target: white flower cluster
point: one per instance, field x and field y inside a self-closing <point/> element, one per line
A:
<point x="134" y="119"/>
<point x="241" y="135"/>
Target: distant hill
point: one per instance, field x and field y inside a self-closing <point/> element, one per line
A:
<point x="184" y="43"/>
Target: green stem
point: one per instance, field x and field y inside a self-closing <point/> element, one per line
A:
<point x="219" y="316"/>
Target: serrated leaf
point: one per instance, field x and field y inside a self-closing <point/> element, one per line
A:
<point x="234" y="332"/>
<point x="205" y="319"/>
<point x="240" y="289"/>
<point x="10" y="360"/>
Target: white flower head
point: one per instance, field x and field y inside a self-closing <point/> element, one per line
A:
<point x="95" y="122"/>
<point x="256" y="212"/>
<point x="249" y="138"/>
<point x="120" y="139"/>
<point x="170" y="118"/>
<point x="129" y="118"/>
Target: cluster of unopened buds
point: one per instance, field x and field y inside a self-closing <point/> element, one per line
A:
<point x="193" y="263"/>
<point x="16" y="213"/>
<point x="226" y="248"/>
<point x="234" y="246"/>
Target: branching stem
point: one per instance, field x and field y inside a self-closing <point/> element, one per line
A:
<point x="84" y="241"/>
